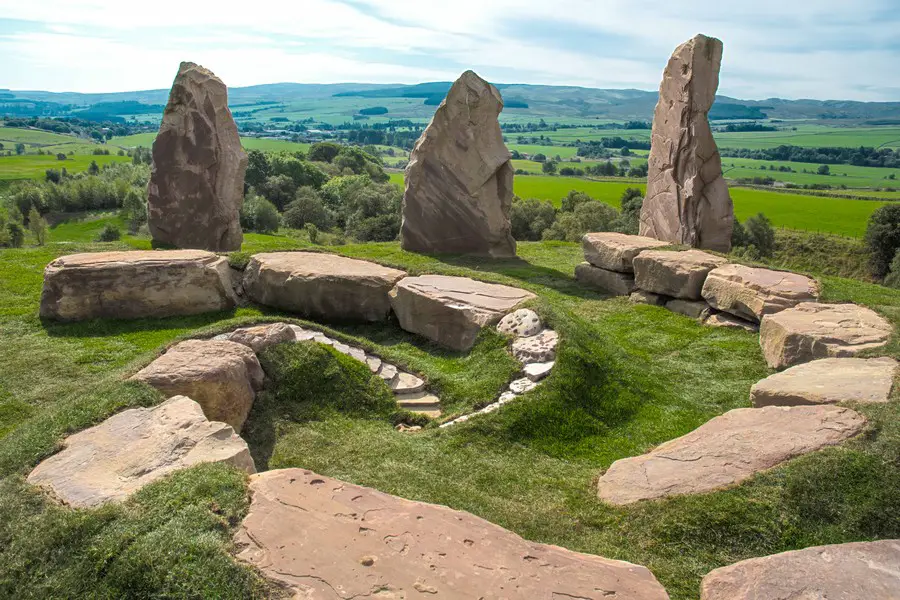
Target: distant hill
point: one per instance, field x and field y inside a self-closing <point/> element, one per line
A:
<point x="544" y="101"/>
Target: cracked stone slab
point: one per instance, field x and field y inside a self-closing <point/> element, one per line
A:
<point x="604" y="280"/>
<point x="673" y="273"/>
<point x="828" y="381"/>
<point x="811" y="330"/>
<point x="727" y="450"/>
<point x="323" y="538"/>
<point x="112" y="460"/>
<point x="135" y="284"/>
<point x="751" y="293"/>
<point x="616" y="251"/>
<point x="321" y="285"/>
<point x="452" y="310"/>
<point x="857" y="570"/>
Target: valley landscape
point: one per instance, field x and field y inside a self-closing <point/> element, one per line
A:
<point x="449" y="339"/>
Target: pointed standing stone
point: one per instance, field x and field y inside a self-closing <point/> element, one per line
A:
<point x="459" y="182"/>
<point x="197" y="182"/>
<point x="687" y="201"/>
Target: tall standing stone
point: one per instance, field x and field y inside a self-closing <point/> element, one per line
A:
<point x="459" y="182"/>
<point x="197" y="182"/>
<point x="687" y="201"/>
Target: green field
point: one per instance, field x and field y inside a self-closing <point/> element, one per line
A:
<point x="33" y="166"/>
<point x="146" y="140"/>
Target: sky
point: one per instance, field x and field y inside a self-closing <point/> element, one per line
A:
<point x="822" y="49"/>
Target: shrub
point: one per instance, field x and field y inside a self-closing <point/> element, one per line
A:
<point x="324" y="151"/>
<point x="530" y="218"/>
<point x="883" y="238"/>
<point x="38" y="227"/>
<point x="738" y="235"/>
<point x="312" y="232"/>
<point x="307" y="208"/>
<point x="630" y="216"/>
<point x="760" y="236"/>
<point x="587" y="217"/>
<point x="573" y="199"/>
<point x="259" y="215"/>
<point x="134" y="207"/>
<point x="15" y="234"/>
<point x="110" y="233"/>
<point x="893" y="278"/>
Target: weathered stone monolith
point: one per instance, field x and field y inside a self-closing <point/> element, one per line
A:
<point x="197" y="182"/>
<point x="687" y="200"/>
<point x="459" y="182"/>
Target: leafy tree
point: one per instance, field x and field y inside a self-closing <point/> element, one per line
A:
<point x="824" y="170"/>
<point x="20" y="148"/>
<point x="530" y="218"/>
<point x="134" y="206"/>
<point x="549" y="167"/>
<point x="373" y="212"/>
<point x="16" y="234"/>
<point x="630" y="216"/>
<point x="38" y="226"/>
<point x="52" y="175"/>
<point x="279" y="190"/>
<point x="324" y="151"/>
<point x="587" y="217"/>
<point x="883" y="238"/>
<point x="93" y="168"/>
<point x="307" y="208"/>
<point x="300" y="171"/>
<point x="60" y="156"/>
<point x="257" y="168"/>
<point x="573" y="199"/>
<point x="738" y="235"/>
<point x="760" y="235"/>
<point x="539" y="157"/>
<point x="259" y="215"/>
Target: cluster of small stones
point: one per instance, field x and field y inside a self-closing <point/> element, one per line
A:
<point x="533" y="346"/>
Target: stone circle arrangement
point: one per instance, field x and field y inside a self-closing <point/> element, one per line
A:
<point x="459" y="187"/>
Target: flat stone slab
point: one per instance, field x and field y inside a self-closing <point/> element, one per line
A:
<point x="136" y="284"/>
<point x="811" y="330"/>
<point x="112" y="460"/>
<point x="323" y="538"/>
<point x="858" y="570"/>
<point x="537" y="371"/>
<point x="452" y="310"/>
<point x="750" y="293"/>
<point x="221" y="376"/>
<point x="611" y="282"/>
<point x="672" y="273"/>
<point x="537" y="348"/>
<point x="520" y="323"/>
<point x="406" y="383"/>
<point x="319" y="285"/>
<point x="616" y="251"/>
<point x="727" y="450"/>
<point x="421" y="403"/>
<point x="828" y="381"/>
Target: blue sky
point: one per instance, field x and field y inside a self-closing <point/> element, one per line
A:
<point x="823" y="49"/>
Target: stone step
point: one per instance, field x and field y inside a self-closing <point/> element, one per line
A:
<point x="421" y="403"/>
<point x="407" y="383"/>
<point x="828" y="381"/>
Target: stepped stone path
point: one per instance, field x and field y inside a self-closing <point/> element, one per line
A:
<point x="452" y="310"/>
<point x="810" y="331"/>
<point x="727" y="450"/>
<point x="114" y="459"/>
<point x="324" y="538"/>
<point x="857" y="570"/>
<point x="135" y="284"/>
<point x="828" y="381"/>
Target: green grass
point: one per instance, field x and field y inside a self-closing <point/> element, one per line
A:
<point x="33" y="166"/>
<point x="627" y="378"/>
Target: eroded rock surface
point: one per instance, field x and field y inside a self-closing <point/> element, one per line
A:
<point x="452" y="310"/>
<point x="858" y="570"/>
<point x="132" y="285"/>
<point x="828" y="381"/>
<point x="520" y="323"/>
<point x="537" y="348"/>
<point x="750" y="293"/>
<point x="610" y="282"/>
<point x="687" y="200"/>
<point x="727" y="450"/>
<point x="221" y="376"/>
<point x="197" y="181"/>
<point x="321" y="285"/>
<point x="324" y="538"/>
<point x="114" y="459"/>
<point x="676" y="274"/>
<point x="459" y="181"/>
<point x="260" y="337"/>
<point x="616" y="251"/>
<point x="810" y="331"/>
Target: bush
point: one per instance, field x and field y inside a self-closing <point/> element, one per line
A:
<point x="307" y="208"/>
<point x="573" y="199"/>
<point x="738" y="235"/>
<point x="883" y="238"/>
<point x="16" y="234"/>
<point x="530" y="218"/>
<point x="324" y="151"/>
<point x="134" y="208"/>
<point x="587" y="217"/>
<point x="630" y="216"/>
<point x="259" y="215"/>
<point x="110" y="233"/>
<point x="312" y="232"/>
<point x="760" y="236"/>
<point x="38" y="227"/>
<point x="892" y="279"/>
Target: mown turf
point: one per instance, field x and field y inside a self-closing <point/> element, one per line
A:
<point x="627" y="378"/>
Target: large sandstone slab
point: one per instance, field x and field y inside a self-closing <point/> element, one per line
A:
<point x="810" y="331"/>
<point x="672" y="273"/>
<point x="828" y="381"/>
<point x="452" y="310"/>
<point x="616" y="251"/>
<point x="114" y="459"/>
<point x="751" y="293"/>
<point x="260" y="337"/>
<point x="197" y="181"/>
<point x="323" y="538"/>
<point x="727" y="450"/>
<point x="221" y="376"/>
<point x="687" y="200"/>
<point x="610" y="282"/>
<point x="323" y="286"/>
<point x="854" y="571"/>
<point x="138" y="284"/>
<point x="459" y="180"/>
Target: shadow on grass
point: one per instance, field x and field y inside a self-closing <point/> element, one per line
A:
<point x="113" y="327"/>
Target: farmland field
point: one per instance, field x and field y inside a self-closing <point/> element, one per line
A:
<point x="33" y="166"/>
